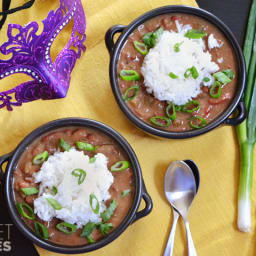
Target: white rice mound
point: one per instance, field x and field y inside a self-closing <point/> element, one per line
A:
<point x="162" y="59"/>
<point x="73" y="198"/>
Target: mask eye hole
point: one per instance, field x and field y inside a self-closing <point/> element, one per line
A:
<point x="61" y="40"/>
<point x="12" y="81"/>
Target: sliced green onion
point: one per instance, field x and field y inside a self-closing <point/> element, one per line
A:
<point x="129" y="75"/>
<point x="41" y="230"/>
<point x="206" y="79"/>
<point x="171" y="107"/>
<point x="106" y="215"/>
<point x="178" y="108"/>
<point x="21" y="207"/>
<point x="194" y="72"/>
<point x="97" y="207"/>
<point x="125" y="193"/>
<point x="85" y="146"/>
<point x="134" y="89"/>
<point x="29" y="191"/>
<point x="150" y="38"/>
<point x="55" y="204"/>
<point x="54" y="190"/>
<point x="159" y="32"/>
<point x="81" y="174"/>
<point x="177" y="46"/>
<point x="66" y="228"/>
<point x="141" y="47"/>
<point x="40" y="158"/>
<point x="215" y="90"/>
<point x="191" y="106"/>
<point x="172" y="75"/>
<point x="194" y="120"/>
<point x="221" y="77"/>
<point x="92" y="160"/>
<point x="64" y="145"/>
<point x="87" y="231"/>
<point x="105" y="227"/>
<point x="90" y="240"/>
<point x="191" y="71"/>
<point x="229" y="73"/>
<point x="155" y="120"/>
<point x="195" y="34"/>
<point x="120" y="166"/>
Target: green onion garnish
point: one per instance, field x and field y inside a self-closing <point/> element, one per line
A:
<point x="125" y="193"/>
<point x="85" y="146"/>
<point x="29" y="191"/>
<point x="215" y="90"/>
<point x="106" y="215"/>
<point x="159" y="32"/>
<point x="41" y="230"/>
<point x="134" y="89"/>
<point x="92" y="160"/>
<point x="66" y="228"/>
<point x="87" y="231"/>
<point x="120" y="166"/>
<point x="55" y="204"/>
<point x="221" y="77"/>
<point x="22" y="206"/>
<point x="64" y="145"/>
<point x="160" y="121"/>
<point x="150" y="38"/>
<point x="40" y="158"/>
<point x="54" y="190"/>
<point x="141" y="48"/>
<point x="229" y="73"/>
<point x="191" y="106"/>
<point x="81" y="174"/>
<point x="206" y="79"/>
<point x="177" y="46"/>
<point x="195" y="34"/>
<point x="178" y="108"/>
<point x="191" y="71"/>
<point x="172" y="75"/>
<point x="94" y="208"/>
<point x="173" y="114"/>
<point x="129" y="75"/>
<point x="105" y="227"/>
<point x="193" y="122"/>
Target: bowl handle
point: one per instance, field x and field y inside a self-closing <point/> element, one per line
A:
<point x="242" y="113"/>
<point x="109" y="37"/>
<point x="3" y="159"/>
<point x="148" y="207"/>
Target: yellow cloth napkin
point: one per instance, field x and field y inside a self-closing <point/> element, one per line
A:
<point x="213" y="213"/>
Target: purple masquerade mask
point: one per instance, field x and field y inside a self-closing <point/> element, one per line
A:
<point x="31" y="56"/>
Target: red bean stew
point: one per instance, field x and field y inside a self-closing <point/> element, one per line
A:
<point x="208" y="105"/>
<point x="121" y="191"/>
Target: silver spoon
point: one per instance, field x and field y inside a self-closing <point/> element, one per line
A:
<point x="181" y="184"/>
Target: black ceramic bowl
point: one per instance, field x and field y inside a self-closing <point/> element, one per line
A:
<point x="115" y="48"/>
<point x="133" y="214"/>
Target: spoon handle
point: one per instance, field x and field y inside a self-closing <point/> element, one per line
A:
<point x="169" y="246"/>
<point x="191" y="246"/>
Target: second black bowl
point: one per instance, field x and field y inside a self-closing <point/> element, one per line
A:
<point x="139" y="193"/>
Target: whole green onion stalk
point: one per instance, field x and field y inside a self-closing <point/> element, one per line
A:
<point x="246" y="131"/>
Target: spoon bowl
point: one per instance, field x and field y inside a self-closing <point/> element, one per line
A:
<point x="195" y="171"/>
<point x="180" y="186"/>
